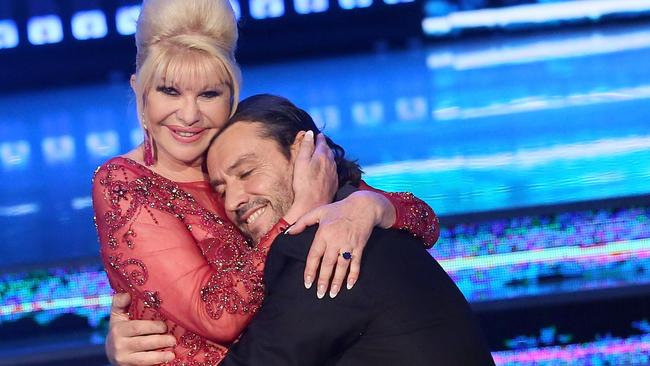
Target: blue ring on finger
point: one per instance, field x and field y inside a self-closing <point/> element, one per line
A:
<point x="346" y="255"/>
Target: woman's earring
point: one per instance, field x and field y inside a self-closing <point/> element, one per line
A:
<point x="149" y="158"/>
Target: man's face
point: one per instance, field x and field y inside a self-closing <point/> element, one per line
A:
<point x="253" y="177"/>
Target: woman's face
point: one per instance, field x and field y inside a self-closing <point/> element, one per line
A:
<point x="183" y="115"/>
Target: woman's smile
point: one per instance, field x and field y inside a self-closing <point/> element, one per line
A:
<point x="186" y="134"/>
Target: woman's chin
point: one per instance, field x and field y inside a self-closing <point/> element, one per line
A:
<point x="189" y="158"/>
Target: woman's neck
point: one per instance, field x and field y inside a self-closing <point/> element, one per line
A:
<point x="175" y="171"/>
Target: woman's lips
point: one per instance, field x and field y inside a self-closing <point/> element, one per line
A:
<point x="186" y="135"/>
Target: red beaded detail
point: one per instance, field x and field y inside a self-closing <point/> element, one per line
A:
<point x="415" y="216"/>
<point x="236" y="287"/>
<point x="412" y="215"/>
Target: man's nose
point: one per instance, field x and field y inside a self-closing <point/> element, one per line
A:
<point x="189" y="112"/>
<point x="236" y="197"/>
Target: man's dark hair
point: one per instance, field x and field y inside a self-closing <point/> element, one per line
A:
<point x="281" y="121"/>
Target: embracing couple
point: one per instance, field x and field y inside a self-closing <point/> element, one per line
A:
<point x="404" y="309"/>
<point x="200" y="268"/>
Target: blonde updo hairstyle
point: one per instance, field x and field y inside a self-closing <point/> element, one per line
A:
<point x="185" y="38"/>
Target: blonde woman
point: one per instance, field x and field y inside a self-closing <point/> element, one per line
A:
<point x="163" y="234"/>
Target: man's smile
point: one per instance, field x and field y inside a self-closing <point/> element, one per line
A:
<point x="255" y="215"/>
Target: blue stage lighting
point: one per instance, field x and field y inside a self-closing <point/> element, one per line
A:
<point x="328" y="117"/>
<point x="136" y="136"/>
<point x="310" y="6"/>
<point x="393" y="2"/>
<point x="8" y="34"/>
<point x="411" y="109"/>
<point x="126" y="18"/>
<point x="541" y="12"/>
<point x="58" y="149"/>
<point x="262" y="9"/>
<point x="368" y="113"/>
<point x="353" y="4"/>
<point x="102" y="144"/>
<point x="44" y="30"/>
<point x="89" y="24"/>
<point x="15" y="154"/>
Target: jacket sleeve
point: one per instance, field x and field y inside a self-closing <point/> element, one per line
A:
<point x="294" y="327"/>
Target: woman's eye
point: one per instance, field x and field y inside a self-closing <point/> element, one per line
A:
<point x="211" y="94"/>
<point x="167" y="90"/>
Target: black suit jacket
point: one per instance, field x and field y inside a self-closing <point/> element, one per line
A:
<point x="404" y="310"/>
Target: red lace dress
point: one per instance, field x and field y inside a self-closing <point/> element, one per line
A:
<point x="169" y="245"/>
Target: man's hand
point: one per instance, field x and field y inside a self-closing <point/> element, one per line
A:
<point x="135" y="342"/>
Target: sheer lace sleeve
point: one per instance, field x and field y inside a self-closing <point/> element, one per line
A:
<point x="413" y="215"/>
<point x="179" y="261"/>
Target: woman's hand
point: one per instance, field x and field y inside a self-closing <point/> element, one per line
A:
<point x="314" y="176"/>
<point x="344" y="226"/>
<point x="135" y="342"/>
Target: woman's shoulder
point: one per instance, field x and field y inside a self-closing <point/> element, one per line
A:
<point x="123" y="161"/>
<point x="126" y="167"/>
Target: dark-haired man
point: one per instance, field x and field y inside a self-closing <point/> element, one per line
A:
<point x="404" y="310"/>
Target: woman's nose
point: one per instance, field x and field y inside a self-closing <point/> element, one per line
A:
<point x="189" y="112"/>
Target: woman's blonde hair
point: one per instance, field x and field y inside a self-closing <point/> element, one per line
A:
<point x="181" y="38"/>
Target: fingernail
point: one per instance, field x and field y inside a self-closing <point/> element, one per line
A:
<point x="350" y="284"/>
<point x="169" y="356"/>
<point x="308" y="282"/>
<point x="309" y="135"/>
<point x="286" y="232"/>
<point x="334" y="291"/>
<point x="321" y="291"/>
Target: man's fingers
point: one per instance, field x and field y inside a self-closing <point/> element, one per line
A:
<point x="121" y="300"/>
<point x="151" y="342"/>
<point x="341" y="270"/>
<point x="119" y="307"/>
<point x="134" y="328"/>
<point x="147" y="358"/>
<point x="126" y="339"/>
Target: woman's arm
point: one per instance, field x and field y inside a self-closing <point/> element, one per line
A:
<point x="345" y="226"/>
<point x="411" y="214"/>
